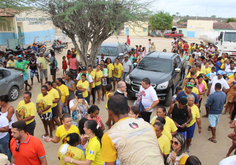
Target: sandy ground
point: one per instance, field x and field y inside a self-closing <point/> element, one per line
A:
<point x="209" y="153"/>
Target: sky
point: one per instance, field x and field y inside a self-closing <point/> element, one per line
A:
<point x="220" y="8"/>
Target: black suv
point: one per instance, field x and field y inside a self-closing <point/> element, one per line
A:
<point x="165" y="70"/>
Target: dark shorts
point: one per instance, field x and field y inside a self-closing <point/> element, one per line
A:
<point x="190" y="131"/>
<point x="108" y="80"/>
<point x="98" y="87"/>
<point x="30" y="128"/>
<point x="116" y="79"/>
<point x="54" y="112"/>
<point x="53" y="72"/>
<point x="47" y="116"/>
<point x="73" y="71"/>
<point x="34" y="72"/>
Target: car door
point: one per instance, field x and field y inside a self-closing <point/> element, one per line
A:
<point x="3" y="83"/>
<point x="176" y="74"/>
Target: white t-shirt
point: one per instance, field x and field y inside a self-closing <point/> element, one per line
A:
<point x="90" y="79"/>
<point x="215" y="80"/>
<point x="149" y="95"/>
<point x="228" y="161"/>
<point x="197" y="54"/>
<point x="3" y="123"/>
<point x="212" y="75"/>
<point x="12" y="118"/>
<point x="227" y="66"/>
<point x="126" y="65"/>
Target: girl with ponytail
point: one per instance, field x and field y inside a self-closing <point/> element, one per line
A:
<point x="70" y="150"/>
<point x="93" y="149"/>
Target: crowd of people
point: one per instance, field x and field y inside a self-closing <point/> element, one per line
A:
<point x="69" y="106"/>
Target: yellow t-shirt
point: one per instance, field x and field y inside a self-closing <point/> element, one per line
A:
<point x="136" y="133"/>
<point x="93" y="77"/>
<point x="93" y="151"/>
<point x="55" y="95"/>
<point x="203" y="69"/>
<point x="43" y="102"/>
<point x="189" y="74"/>
<point x="164" y="144"/>
<point x="26" y="110"/>
<point x="170" y="125"/>
<point x="118" y="70"/>
<point x="207" y="70"/>
<point x="64" y="92"/>
<point x="42" y="62"/>
<point x="167" y="134"/>
<point x="98" y="75"/>
<point x="85" y="85"/>
<point x="72" y="152"/>
<point x="62" y="133"/>
<point x="231" y="76"/>
<point x="11" y="63"/>
<point x="195" y="114"/>
<point x="223" y="60"/>
<point x="107" y="95"/>
<point x="110" y="68"/>
<point x="205" y="84"/>
<point x="195" y="90"/>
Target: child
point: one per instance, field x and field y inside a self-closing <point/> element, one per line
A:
<point x="149" y="45"/>
<point x="134" y="113"/>
<point x="94" y="111"/>
<point x="178" y="89"/>
<point x="153" y="48"/>
<point x="64" y="64"/>
<point x="108" y="95"/>
<point x="211" y="74"/>
<point x="70" y="149"/>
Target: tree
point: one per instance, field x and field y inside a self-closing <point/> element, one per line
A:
<point x="231" y="20"/>
<point x="92" y="21"/>
<point x="213" y="16"/>
<point x="161" y="21"/>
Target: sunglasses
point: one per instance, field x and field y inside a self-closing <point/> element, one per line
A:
<point x="175" y="142"/>
<point x="18" y="146"/>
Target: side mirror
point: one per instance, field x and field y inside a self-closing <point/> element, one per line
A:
<point x="121" y="54"/>
<point x="177" y="70"/>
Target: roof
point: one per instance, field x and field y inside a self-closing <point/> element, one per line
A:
<point x="165" y="55"/>
<point x="223" y="26"/>
<point x="7" y="12"/>
<point x="233" y="24"/>
<point x="181" y="25"/>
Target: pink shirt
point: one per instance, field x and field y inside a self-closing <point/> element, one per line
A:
<point x="73" y="63"/>
<point x="98" y="120"/>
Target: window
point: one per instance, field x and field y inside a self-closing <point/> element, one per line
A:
<point x="6" y="73"/>
<point x="108" y="51"/>
<point x="5" y="26"/>
<point x="1" y="75"/>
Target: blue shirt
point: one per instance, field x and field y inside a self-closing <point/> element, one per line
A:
<point x="182" y="94"/>
<point x="217" y="68"/>
<point x="216" y="101"/>
<point x="53" y="60"/>
<point x="34" y="48"/>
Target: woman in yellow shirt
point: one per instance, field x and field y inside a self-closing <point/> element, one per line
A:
<point x="83" y="85"/>
<point x="178" y="154"/>
<point x="43" y="105"/>
<point x="118" y="72"/>
<point x="64" y="94"/>
<point x="110" y="68"/>
<point x="69" y="149"/>
<point x="93" y="149"/>
<point x="98" y="81"/>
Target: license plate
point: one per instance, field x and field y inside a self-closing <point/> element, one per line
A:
<point x="234" y="53"/>
<point x="136" y="94"/>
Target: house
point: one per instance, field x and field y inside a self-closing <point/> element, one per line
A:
<point x="223" y="26"/>
<point x="136" y="29"/>
<point x="196" y="27"/>
<point x="25" y="25"/>
<point x="181" y="28"/>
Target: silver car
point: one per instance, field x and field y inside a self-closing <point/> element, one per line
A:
<point x="11" y="82"/>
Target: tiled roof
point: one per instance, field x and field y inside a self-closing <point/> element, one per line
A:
<point x="7" y="12"/>
<point x="233" y="24"/>
<point x="223" y="26"/>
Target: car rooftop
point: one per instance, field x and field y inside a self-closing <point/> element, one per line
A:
<point x="161" y="55"/>
<point x="115" y="44"/>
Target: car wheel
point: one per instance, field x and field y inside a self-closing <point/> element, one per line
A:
<point x="167" y="36"/>
<point x="13" y="93"/>
<point x="168" y="100"/>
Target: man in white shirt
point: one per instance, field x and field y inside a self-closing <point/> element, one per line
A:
<point x="4" y="136"/>
<point x="126" y="66"/>
<point x="149" y="99"/>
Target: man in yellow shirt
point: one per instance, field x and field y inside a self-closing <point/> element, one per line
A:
<point x="163" y="141"/>
<point x="42" y="65"/>
<point x="26" y="111"/>
<point x="11" y="62"/>
<point x="118" y="72"/>
<point x="135" y="132"/>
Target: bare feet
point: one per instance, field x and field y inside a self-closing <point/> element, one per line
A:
<point x="51" y="136"/>
<point x="44" y="135"/>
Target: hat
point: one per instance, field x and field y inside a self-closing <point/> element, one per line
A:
<point x="83" y="68"/>
<point x="126" y="55"/>
<point x="10" y="55"/>
<point x="4" y="160"/>
<point x="79" y="94"/>
<point x="220" y="72"/>
<point x="19" y="56"/>
<point x="189" y="85"/>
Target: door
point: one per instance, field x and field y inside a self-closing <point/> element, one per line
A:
<point x="127" y="30"/>
<point x="3" y="83"/>
<point x="19" y="35"/>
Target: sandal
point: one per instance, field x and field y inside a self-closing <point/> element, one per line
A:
<point x="214" y="141"/>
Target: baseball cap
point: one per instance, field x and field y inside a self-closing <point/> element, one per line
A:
<point x="19" y="56"/>
<point x="126" y="55"/>
<point x="79" y="94"/>
<point x="220" y="72"/>
<point x="189" y="85"/>
<point x="83" y="68"/>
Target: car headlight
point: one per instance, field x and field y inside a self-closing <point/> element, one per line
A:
<point x="163" y="85"/>
<point x="127" y="79"/>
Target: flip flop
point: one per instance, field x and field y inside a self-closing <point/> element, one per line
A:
<point x="214" y="141"/>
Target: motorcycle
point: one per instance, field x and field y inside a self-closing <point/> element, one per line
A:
<point x="56" y="49"/>
<point x="57" y="42"/>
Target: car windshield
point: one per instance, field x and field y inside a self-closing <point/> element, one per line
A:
<point x="230" y="36"/>
<point x="108" y="51"/>
<point x="155" y="64"/>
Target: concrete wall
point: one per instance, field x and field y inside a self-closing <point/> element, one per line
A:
<point x="196" y="27"/>
<point x="184" y="31"/>
<point x="136" y="29"/>
<point x="7" y="30"/>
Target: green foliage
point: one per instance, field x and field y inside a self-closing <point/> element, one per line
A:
<point x="161" y="21"/>
<point x="213" y="16"/>
<point x="231" y="20"/>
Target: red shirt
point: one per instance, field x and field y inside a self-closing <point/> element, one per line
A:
<point x="69" y="56"/>
<point x="30" y="151"/>
<point x="186" y="47"/>
<point x="128" y="41"/>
